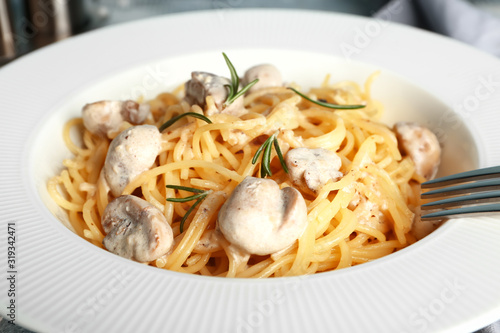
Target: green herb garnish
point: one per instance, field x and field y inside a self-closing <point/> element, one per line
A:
<point x="328" y="105"/>
<point x="174" y="119"/>
<point x="265" y="166"/>
<point x="199" y="196"/>
<point x="235" y="83"/>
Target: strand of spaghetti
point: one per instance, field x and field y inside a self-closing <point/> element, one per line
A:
<point x="237" y="260"/>
<point x="254" y="269"/>
<point x="346" y="255"/>
<point x="404" y="172"/>
<point x="269" y="270"/>
<point x="385" y="162"/>
<point x="358" y="240"/>
<point x="327" y="214"/>
<point x="222" y="266"/>
<point x="349" y="144"/>
<point x="102" y="195"/>
<point x="331" y="140"/>
<point x="74" y="169"/>
<point x="266" y="91"/>
<point x="96" y="161"/>
<point x="247" y="168"/>
<point x="76" y="222"/>
<point x="390" y="187"/>
<point x="347" y="225"/>
<point x="209" y="141"/>
<point x="374" y="253"/>
<point x="394" y="243"/>
<point x="369" y="83"/>
<point x="58" y="198"/>
<point x="385" y="132"/>
<point x="313" y="215"/>
<point x="305" y="249"/>
<point x="243" y="125"/>
<point x="344" y="183"/>
<point x="371" y="231"/>
<point x="202" y="262"/>
<point x="205" y="271"/>
<point x="67" y="137"/>
<point x="205" y="213"/>
<point x="312" y="269"/>
<point x="330" y="263"/>
<point x="366" y="151"/>
<point x="90" y="222"/>
<point x="229" y="174"/>
<point x="70" y="188"/>
<point x="230" y="157"/>
<point x="206" y="183"/>
<point x="321" y="256"/>
<point x="148" y="191"/>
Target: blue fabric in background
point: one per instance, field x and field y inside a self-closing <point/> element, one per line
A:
<point x="457" y="19"/>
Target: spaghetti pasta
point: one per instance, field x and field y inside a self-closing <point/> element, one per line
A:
<point x="364" y="215"/>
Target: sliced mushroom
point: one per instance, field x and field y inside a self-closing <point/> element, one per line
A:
<point x="268" y="75"/>
<point x="310" y="169"/>
<point x="421" y="145"/>
<point x="131" y="153"/>
<point x="105" y="117"/>
<point x="204" y="84"/>
<point x="260" y="218"/>
<point x="136" y="229"/>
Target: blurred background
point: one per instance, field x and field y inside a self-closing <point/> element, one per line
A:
<point x="26" y="25"/>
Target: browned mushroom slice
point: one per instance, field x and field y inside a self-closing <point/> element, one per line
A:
<point x="136" y="229"/>
<point x="204" y="84"/>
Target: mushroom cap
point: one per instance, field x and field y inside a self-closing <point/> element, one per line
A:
<point x="203" y="84"/>
<point x="268" y="75"/>
<point x="422" y="145"/>
<point x="260" y="218"/>
<point x="105" y="117"/>
<point x="136" y="229"/>
<point x="132" y="152"/>
<point x="310" y="169"/>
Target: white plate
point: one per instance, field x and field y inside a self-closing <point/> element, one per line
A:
<point x="448" y="281"/>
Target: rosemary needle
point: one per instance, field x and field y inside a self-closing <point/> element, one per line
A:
<point x="235" y="83"/>
<point x="327" y="105"/>
<point x="265" y="149"/>
<point x="201" y="194"/>
<point x="174" y="119"/>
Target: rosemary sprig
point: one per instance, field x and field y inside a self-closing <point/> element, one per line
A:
<point x="327" y="105"/>
<point x="235" y="83"/>
<point x="200" y="195"/>
<point x="265" y="148"/>
<point x="174" y="119"/>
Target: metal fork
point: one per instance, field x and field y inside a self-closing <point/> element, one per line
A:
<point x="466" y="193"/>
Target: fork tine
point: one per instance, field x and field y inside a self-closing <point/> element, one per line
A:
<point x="475" y="199"/>
<point x="441" y="214"/>
<point x="463" y="177"/>
<point x="480" y="185"/>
